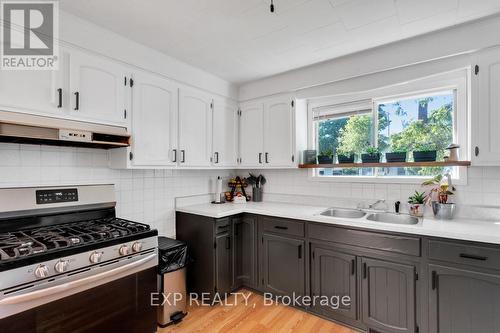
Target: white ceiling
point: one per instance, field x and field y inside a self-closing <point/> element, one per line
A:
<point x="240" y="40"/>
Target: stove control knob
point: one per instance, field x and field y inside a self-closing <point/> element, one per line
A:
<point x="41" y="271"/>
<point x="61" y="266"/>
<point x="137" y="247"/>
<point x="124" y="250"/>
<point x="95" y="257"/>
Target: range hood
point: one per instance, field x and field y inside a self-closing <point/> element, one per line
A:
<point x="31" y="129"/>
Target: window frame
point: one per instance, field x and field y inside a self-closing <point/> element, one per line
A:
<point x="458" y="80"/>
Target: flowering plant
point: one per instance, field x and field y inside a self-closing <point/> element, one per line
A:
<point x="439" y="190"/>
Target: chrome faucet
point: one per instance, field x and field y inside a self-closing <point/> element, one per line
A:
<point x="371" y="206"/>
<point x="361" y="205"/>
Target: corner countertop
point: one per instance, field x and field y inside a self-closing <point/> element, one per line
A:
<point x="459" y="229"/>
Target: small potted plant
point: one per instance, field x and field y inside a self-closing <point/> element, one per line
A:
<point x="439" y="195"/>
<point x="372" y="155"/>
<point x="345" y="158"/>
<point x="325" y="157"/>
<point x="417" y="204"/>
<point x="424" y="153"/>
<point x="396" y="156"/>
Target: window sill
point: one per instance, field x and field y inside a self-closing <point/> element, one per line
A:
<point x="383" y="180"/>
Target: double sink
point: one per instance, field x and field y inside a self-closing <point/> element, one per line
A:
<point x="375" y="217"/>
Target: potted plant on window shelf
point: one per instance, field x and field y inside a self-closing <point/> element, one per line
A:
<point x="325" y="157"/>
<point x="417" y="204"/>
<point x="424" y="153"/>
<point x="345" y="158"/>
<point x="372" y="155"/>
<point x="396" y="156"/>
<point x="439" y="195"/>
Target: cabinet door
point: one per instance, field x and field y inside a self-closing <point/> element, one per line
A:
<point x="154" y="121"/>
<point x="225" y="133"/>
<point x="223" y="263"/>
<point x="278" y="133"/>
<point x="244" y="250"/>
<point x="463" y="301"/>
<point x="334" y="275"/>
<point x="283" y="265"/>
<point x="486" y="115"/>
<point x="195" y="128"/>
<point x="97" y="88"/>
<point x="252" y="135"/>
<point x="388" y="296"/>
<point x="41" y="92"/>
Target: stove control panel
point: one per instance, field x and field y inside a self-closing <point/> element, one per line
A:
<point x="56" y="196"/>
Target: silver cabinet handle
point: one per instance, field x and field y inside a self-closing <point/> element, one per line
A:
<point x="174" y="157"/>
<point x="216" y="156"/>
<point x="183" y="156"/>
<point x="260" y="158"/>
<point x="267" y="157"/>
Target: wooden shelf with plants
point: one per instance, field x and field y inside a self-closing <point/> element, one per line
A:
<point x="385" y="165"/>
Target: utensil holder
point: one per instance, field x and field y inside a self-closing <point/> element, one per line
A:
<point x="257" y="194"/>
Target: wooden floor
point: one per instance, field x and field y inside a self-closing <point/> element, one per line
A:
<point x="252" y="318"/>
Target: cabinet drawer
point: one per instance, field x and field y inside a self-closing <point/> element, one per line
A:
<point x="373" y="240"/>
<point x="473" y="255"/>
<point x="283" y="226"/>
<point x="222" y="225"/>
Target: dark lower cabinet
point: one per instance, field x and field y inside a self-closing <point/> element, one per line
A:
<point x="463" y="301"/>
<point x="223" y="252"/>
<point x="244" y="251"/>
<point x="283" y="265"/>
<point x="388" y="296"/>
<point x="333" y="274"/>
<point x="268" y="254"/>
<point x="223" y="263"/>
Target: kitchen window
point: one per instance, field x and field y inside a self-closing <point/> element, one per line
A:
<point x="411" y="121"/>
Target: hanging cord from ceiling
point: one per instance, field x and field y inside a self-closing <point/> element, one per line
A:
<point x="272" y="7"/>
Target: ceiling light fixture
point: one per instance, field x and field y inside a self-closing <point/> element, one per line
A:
<point x="272" y="7"/>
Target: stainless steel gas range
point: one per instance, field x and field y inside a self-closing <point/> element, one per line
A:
<point x="68" y="264"/>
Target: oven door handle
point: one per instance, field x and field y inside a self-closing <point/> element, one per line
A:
<point x="34" y="295"/>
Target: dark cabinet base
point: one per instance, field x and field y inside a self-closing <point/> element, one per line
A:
<point x="399" y="283"/>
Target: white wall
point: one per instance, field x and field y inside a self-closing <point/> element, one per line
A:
<point x="483" y="189"/>
<point x="84" y="34"/>
<point x="146" y="196"/>
<point x="142" y="195"/>
<point x="399" y="62"/>
<point x="462" y="39"/>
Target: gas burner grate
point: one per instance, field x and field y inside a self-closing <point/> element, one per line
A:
<point x="29" y="242"/>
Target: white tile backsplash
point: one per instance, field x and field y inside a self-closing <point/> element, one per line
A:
<point x="482" y="189"/>
<point x="149" y="195"/>
<point x="142" y="195"/>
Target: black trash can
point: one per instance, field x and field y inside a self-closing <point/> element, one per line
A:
<point x="172" y="263"/>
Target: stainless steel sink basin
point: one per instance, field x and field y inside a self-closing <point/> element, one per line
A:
<point x="392" y="218"/>
<point x="345" y="213"/>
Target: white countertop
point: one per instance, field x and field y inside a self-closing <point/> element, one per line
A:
<point x="461" y="229"/>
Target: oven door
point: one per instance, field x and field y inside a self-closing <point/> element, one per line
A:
<point x="113" y="299"/>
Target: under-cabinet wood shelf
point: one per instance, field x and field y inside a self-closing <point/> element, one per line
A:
<point x="385" y="165"/>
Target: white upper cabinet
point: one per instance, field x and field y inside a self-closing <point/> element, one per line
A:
<point x="251" y="136"/>
<point x="486" y="109"/>
<point x="97" y="89"/>
<point x="154" y="121"/>
<point x="195" y="128"/>
<point x="225" y="133"/>
<point x="41" y="92"/>
<point x="278" y="133"/>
